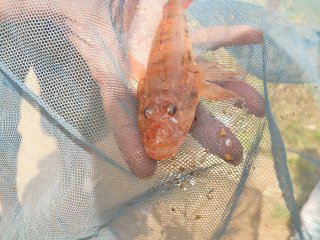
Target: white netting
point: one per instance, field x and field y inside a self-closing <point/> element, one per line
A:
<point x="73" y="165"/>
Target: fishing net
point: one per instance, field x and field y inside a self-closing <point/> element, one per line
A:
<point x="72" y="161"/>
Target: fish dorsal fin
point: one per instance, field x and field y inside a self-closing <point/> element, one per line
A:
<point x="137" y="74"/>
<point x="138" y="70"/>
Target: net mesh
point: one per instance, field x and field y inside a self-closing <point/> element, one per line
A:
<point x="72" y="161"/>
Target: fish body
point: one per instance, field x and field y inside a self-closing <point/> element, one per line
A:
<point x="170" y="87"/>
<point x="168" y="94"/>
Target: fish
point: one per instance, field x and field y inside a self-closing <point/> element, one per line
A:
<point x="170" y="87"/>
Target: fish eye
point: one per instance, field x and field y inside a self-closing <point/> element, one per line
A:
<point x="171" y="109"/>
<point x="147" y="112"/>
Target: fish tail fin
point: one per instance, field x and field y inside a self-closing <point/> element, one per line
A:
<point x="186" y="3"/>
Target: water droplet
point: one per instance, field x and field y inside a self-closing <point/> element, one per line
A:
<point x="228" y="142"/>
<point x="173" y="120"/>
<point x="148" y="112"/>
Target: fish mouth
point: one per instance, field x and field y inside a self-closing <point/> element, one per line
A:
<point x="162" y="151"/>
<point x="162" y="139"/>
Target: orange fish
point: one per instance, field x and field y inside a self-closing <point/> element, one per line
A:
<point x="169" y="90"/>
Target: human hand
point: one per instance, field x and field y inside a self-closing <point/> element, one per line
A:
<point x="96" y="39"/>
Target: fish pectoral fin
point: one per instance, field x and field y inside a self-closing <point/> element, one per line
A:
<point x="208" y="88"/>
<point x="137" y="69"/>
<point x="213" y="72"/>
<point x="212" y="91"/>
<point x="224" y="84"/>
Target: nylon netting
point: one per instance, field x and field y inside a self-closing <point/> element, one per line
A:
<point x="72" y="161"/>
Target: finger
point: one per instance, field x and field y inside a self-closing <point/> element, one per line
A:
<point x="120" y="108"/>
<point x="128" y="138"/>
<point x="216" y="137"/>
<point x="224" y="36"/>
<point x="118" y="102"/>
<point x="98" y="51"/>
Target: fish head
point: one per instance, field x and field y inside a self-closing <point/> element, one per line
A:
<point x="164" y="125"/>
